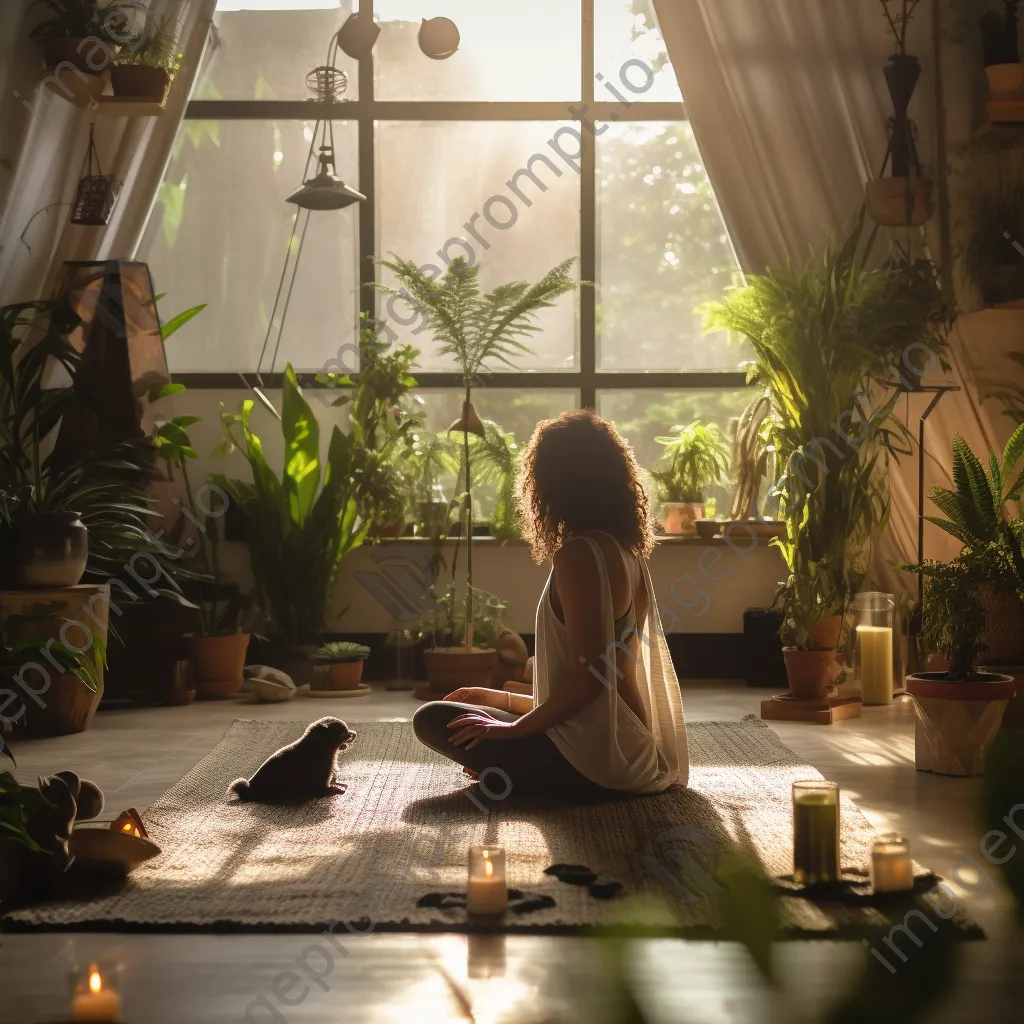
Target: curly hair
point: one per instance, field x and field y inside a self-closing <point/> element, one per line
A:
<point x="578" y="474"/>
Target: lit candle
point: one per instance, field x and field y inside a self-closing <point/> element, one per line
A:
<point x="875" y="664"/>
<point x="815" y="832"/>
<point x="891" y="868"/>
<point x="487" y="891"/>
<point x="95" y="1000"/>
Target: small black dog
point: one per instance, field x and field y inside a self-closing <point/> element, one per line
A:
<point x="303" y="770"/>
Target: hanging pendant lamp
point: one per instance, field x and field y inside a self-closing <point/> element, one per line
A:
<point x="468" y="423"/>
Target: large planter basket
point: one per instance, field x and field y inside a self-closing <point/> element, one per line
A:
<point x="957" y="722"/>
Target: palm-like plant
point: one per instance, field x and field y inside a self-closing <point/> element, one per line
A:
<point x="300" y="525"/>
<point x="496" y="456"/>
<point x="696" y="457"/>
<point x="824" y="338"/>
<point x="478" y="330"/>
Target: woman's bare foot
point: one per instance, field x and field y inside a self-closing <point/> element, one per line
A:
<point x="472" y="774"/>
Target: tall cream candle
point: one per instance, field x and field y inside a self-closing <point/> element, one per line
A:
<point x="875" y="664"/>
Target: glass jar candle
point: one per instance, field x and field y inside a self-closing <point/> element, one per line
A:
<point x="815" y="832"/>
<point x="891" y="867"/>
<point x="95" y="994"/>
<point x="873" y="615"/>
<point x="487" y="891"/>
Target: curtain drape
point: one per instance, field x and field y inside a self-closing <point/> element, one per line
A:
<point x="46" y="153"/>
<point x="789" y="106"/>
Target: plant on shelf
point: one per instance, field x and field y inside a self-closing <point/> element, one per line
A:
<point x="380" y="421"/>
<point x="345" y="662"/>
<point x="993" y="221"/>
<point x="822" y="337"/>
<point x="478" y="330"/>
<point x="1000" y="48"/>
<point x="145" y="68"/>
<point x="428" y="461"/>
<point x="696" y="457"/>
<point x="496" y="456"/>
<point x="72" y="31"/>
<point x="299" y="525"/>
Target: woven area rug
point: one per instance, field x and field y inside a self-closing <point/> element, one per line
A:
<point x="366" y="858"/>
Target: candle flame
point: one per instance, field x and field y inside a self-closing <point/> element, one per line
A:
<point x="488" y="868"/>
<point x="95" y="981"/>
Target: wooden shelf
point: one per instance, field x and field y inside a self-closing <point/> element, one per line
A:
<point x="116" y="106"/>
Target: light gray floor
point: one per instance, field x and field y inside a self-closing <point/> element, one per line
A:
<point x="135" y="755"/>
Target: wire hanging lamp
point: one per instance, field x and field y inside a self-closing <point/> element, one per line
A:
<point x="97" y="192"/>
<point x="323" y="190"/>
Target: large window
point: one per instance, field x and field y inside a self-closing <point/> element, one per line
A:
<point x="557" y="129"/>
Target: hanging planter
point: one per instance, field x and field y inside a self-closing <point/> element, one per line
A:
<point x="97" y="192"/>
<point x="904" y="197"/>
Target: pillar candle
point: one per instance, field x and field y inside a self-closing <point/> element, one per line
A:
<point x="487" y="891"/>
<point x="815" y="832"/>
<point x="875" y="664"/>
<point x="891" y="867"/>
<point x="95" y="1001"/>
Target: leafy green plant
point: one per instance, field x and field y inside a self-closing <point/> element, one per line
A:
<point x="496" y="456"/>
<point x="107" y="489"/>
<point x="696" y="457"/>
<point x="155" y="45"/>
<point x="300" y="525"/>
<point x="822" y="336"/>
<point x="953" y="616"/>
<point x="477" y="329"/>
<point x="20" y="641"/>
<point x="974" y="509"/>
<point x="342" y="651"/>
<point x="444" y="624"/>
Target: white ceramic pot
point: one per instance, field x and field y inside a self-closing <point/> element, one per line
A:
<point x="957" y="722"/>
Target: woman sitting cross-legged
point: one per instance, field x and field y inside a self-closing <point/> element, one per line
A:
<point x="606" y="713"/>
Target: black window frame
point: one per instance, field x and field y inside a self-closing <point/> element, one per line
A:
<point x="587" y="379"/>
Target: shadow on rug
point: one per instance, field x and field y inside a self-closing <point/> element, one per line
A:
<point x="366" y="860"/>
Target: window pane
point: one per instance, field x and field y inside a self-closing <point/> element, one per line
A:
<point x="529" y="50"/>
<point x="514" y="411"/>
<point x="434" y="178"/>
<point x="662" y="251"/>
<point x="263" y="49"/>
<point x="627" y="31"/>
<point x="219" y="233"/>
<point x="641" y="416"/>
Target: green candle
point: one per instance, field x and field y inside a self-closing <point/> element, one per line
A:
<point x="815" y="832"/>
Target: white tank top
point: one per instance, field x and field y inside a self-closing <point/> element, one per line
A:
<point x="605" y="741"/>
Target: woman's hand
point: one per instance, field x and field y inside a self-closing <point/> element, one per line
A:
<point x="482" y="696"/>
<point x="471" y="730"/>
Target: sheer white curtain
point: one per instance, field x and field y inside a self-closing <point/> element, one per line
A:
<point x="41" y="158"/>
<point x="789" y="106"/>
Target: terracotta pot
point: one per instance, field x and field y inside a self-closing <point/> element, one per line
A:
<point x="139" y="82"/>
<point x="826" y="632"/>
<point x="345" y="675"/>
<point x="70" y="707"/>
<point x="1005" y="79"/>
<point x="449" y="668"/>
<point x="1003" y="635"/>
<point x="809" y="672"/>
<point x="900" y="202"/>
<point x="50" y="550"/>
<point x="957" y="722"/>
<point x="219" y="662"/>
<point x="681" y="517"/>
<point x="66" y="51"/>
<point x="390" y="530"/>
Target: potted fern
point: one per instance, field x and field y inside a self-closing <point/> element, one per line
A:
<point x="696" y="458"/>
<point x="821" y="336"/>
<point x="479" y="330"/>
<point x="73" y="30"/>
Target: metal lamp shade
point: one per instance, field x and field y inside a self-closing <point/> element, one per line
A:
<point x="468" y="423"/>
<point x="325" y="192"/>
